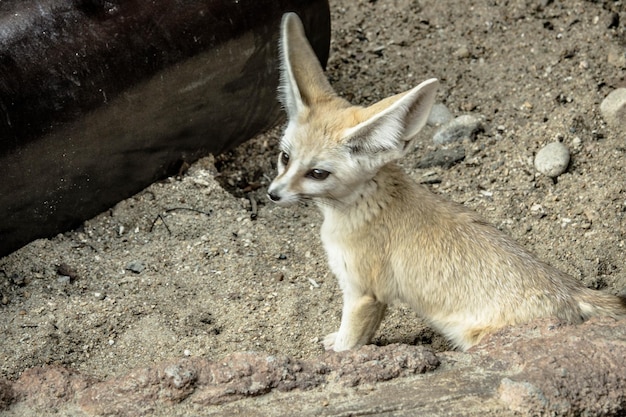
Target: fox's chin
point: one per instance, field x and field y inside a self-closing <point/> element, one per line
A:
<point x="286" y="202"/>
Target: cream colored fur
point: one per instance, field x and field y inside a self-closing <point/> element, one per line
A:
<point x="389" y="239"/>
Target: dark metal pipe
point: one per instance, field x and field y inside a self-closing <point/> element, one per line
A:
<point x="100" y="98"/>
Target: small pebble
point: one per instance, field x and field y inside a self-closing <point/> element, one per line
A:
<point x="136" y="266"/>
<point x="617" y="58"/>
<point x="200" y="182"/>
<point x="462" y="53"/>
<point x="527" y="105"/>
<point x="66" y="270"/>
<point x="552" y="160"/>
<point x="537" y="210"/>
<point x="187" y="352"/>
<point x="439" y="115"/>
<point x="99" y="295"/>
<point x="64" y="279"/>
<point x="456" y="130"/>
<point x="18" y="280"/>
<point x="613" y="108"/>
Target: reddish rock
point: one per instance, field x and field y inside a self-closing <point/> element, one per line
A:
<point x="133" y="394"/>
<point x="561" y="370"/>
<point x="370" y="364"/>
<point x="248" y="374"/>
<point x="49" y="386"/>
<point x="542" y="368"/>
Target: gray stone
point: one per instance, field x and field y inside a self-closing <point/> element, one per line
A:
<point x="136" y="266"/>
<point x="445" y="158"/>
<point x="613" y="108"/>
<point x="64" y="279"/>
<point x="439" y="115"/>
<point x="466" y="126"/>
<point x="552" y="160"/>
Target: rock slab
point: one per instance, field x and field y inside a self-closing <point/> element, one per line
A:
<point x="208" y="383"/>
<point x="541" y="368"/>
<point x="563" y="370"/>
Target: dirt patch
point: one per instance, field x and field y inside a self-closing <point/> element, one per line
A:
<point x="193" y="267"/>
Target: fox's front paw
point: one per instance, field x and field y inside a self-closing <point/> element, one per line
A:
<point x="329" y="341"/>
<point x="336" y="342"/>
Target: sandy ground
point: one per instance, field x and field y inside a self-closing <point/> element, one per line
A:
<point x="204" y="265"/>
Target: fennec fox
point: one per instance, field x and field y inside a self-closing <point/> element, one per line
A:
<point x="389" y="239"/>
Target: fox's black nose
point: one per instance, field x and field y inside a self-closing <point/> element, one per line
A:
<point x="273" y="196"/>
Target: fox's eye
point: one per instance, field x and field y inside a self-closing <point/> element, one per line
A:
<point x="318" y="174"/>
<point x="284" y="158"/>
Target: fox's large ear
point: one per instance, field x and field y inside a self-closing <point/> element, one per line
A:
<point x="302" y="79"/>
<point x="391" y="123"/>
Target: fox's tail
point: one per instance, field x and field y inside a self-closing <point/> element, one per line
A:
<point x="596" y="303"/>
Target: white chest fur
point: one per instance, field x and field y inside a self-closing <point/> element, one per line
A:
<point x="337" y="250"/>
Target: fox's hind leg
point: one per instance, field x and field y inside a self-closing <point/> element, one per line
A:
<point x="472" y="336"/>
<point x="360" y="318"/>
